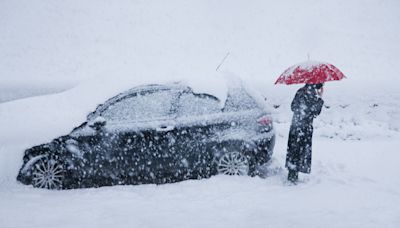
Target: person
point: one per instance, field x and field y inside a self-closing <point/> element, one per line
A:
<point x="306" y="105"/>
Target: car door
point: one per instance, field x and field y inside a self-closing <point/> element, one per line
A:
<point x="144" y="124"/>
<point x="93" y="150"/>
<point x="198" y="120"/>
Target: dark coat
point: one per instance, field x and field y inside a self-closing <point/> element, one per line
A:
<point x="306" y="105"/>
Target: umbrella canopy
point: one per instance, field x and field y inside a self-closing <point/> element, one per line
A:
<point x="310" y="72"/>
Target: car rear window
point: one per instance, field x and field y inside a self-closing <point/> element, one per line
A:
<point x="239" y="99"/>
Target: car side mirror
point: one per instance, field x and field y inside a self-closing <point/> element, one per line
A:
<point x="98" y="123"/>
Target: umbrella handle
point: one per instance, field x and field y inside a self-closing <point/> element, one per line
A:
<point x="320" y="92"/>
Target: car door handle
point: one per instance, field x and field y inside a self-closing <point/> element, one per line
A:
<point x="164" y="128"/>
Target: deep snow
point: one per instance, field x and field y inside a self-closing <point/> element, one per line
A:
<point x="353" y="184"/>
<point x="103" y="48"/>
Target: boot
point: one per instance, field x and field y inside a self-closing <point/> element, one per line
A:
<point x="293" y="176"/>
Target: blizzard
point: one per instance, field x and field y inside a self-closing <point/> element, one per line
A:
<point x="59" y="60"/>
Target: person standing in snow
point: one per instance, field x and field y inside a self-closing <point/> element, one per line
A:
<point x="306" y="105"/>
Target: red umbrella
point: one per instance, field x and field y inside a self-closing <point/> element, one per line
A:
<point x="310" y="72"/>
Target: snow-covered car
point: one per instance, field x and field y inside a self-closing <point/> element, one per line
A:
<point x="156" y="134"/>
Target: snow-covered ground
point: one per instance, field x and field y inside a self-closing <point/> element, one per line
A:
<point x="354" y="180"/>
<point x="104" y="47"/>
<point x="353" y="184"/>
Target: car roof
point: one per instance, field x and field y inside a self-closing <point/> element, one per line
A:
<point x="178" y="86"/>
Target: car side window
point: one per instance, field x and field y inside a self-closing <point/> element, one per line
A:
<point x="139" y="107"/>
<point x="197" y="104"/>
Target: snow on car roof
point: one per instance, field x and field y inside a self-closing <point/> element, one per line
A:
<point x="43" y="118"/>
<point x="217" y="88"/>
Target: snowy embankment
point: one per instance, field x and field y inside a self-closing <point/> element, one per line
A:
<point x="348" y="115"/>
<point x="10" y="92"/>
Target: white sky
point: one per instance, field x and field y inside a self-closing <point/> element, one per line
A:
<point x="64" y="42"/>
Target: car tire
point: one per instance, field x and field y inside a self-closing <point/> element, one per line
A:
<point x="234" y="163"/>
<point x="48" y="173"/>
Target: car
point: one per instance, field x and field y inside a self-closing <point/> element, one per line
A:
<point x="155" y="134"/>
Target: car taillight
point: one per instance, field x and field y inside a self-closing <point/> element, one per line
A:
<point x="265" y="123"/>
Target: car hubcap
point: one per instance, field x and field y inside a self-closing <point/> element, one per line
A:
<point x="48" y="174"/>
<point x="234" y="163"/>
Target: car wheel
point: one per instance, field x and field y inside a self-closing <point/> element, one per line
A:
<point x="47" y="173"/>
<point x="233" y="163"/>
